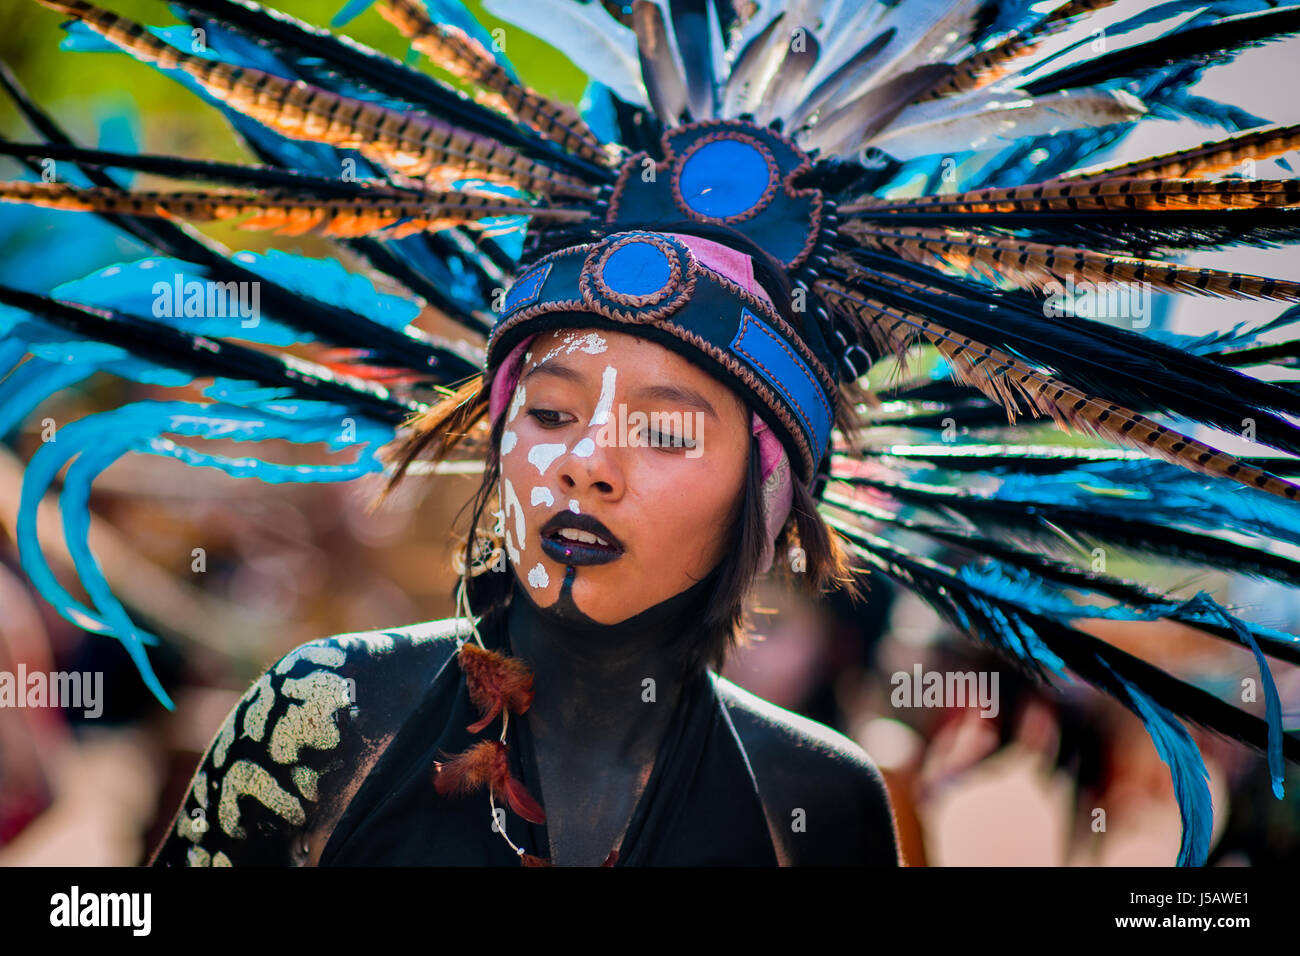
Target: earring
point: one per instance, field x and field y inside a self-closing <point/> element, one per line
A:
<point x="498" y="686"/>
<point x="488" y="550"/>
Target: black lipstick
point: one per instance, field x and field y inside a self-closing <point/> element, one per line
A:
<point x="569" y="551"/>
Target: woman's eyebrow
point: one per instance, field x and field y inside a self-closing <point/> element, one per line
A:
<point x="679" y="394"/>
<point x="664" y="392"/>
<point x="558" y="369"/>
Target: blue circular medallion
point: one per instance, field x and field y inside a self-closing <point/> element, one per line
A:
<point x="637" y="276"/>
<point x="725" y="178"/>
<point x="636" y="269"/>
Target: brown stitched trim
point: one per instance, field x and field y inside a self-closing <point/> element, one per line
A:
<point x="789" y="395"/>
<point x="549" y="257"/>
<point x="759" y="387"/>
<point x="785" y="328"/>
<point x="625" y="173"/>
<point x="756" y="385"/>
<point x="596" y="269"/>
<point x="765" y="200"/>
<point x="539" y="274"/>
<point x="805" y="165"/>
<point x="677" y="296"/>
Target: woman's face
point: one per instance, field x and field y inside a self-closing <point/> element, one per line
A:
<point x="615" y="429"/>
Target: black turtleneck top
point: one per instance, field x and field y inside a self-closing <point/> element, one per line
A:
<point x="328" y="759"/>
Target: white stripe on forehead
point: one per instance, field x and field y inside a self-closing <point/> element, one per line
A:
<point x="601" y="415"/>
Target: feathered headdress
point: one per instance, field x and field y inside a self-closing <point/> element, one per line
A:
<point x="920" y="170"/>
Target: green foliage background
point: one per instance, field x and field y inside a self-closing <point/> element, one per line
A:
<point x="83" y="90"/>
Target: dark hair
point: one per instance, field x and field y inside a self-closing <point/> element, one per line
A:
<point x="459" y="418"/>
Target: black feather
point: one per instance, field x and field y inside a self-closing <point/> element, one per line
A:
<point x="1212" y="43"/>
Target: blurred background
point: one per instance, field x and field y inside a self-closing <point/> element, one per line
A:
<point x="289" y="564"/>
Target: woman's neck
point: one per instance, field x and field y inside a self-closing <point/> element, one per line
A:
<point x="611" y="686"/>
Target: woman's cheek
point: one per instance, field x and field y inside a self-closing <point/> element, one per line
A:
<point x="528" y="501"/>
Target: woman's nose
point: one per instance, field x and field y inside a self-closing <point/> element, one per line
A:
<point x="591" y="464"/>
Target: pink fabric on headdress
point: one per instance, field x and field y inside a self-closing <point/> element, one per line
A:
<point x="724" y="260"/>
<point x="777" y="487"/>
<point x="507" y="376"/>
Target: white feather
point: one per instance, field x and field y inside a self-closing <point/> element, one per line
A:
<point x="597" y="44"/>
<point x="738" y="96"/>
<point x="926" y="37"/>
<point x="1000" y="120"/>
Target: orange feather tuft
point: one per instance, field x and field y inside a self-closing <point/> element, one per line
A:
<point x="471" y="769"/>
<point x="486" y="762"/>
<point x="495" y="682"/>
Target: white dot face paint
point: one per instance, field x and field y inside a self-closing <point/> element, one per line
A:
<point x="584" y="448"/>
<point x="508" y="442"/>
<point x="573" y="506"/>
<point x="543" y="456"/>
<point x="537" y="577"/>
<point x="516" y="404"/>
<point x="542" y="496"/>
<point x="601" y="415"/>
<point x="521" y="530"/>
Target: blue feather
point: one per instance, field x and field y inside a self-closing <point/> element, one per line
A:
<point x="99" y="440"/>
<point x="1186" y="767"/>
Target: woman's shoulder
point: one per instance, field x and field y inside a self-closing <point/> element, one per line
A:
<point x="404" y="654"/>
<point x="293" y="749"/>
<point x="826" y="798"/>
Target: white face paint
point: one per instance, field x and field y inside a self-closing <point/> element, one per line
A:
<point x="516" y="404"/>
<point x="544" y="455"/>
<point x="542" y="496"/>
<point x="573" y="506"/>
<point x="606" y="397"/>
<point x="593" y="343"/>
<point x="512" y="503"/>
<point x="584" y="448"/>
<point x="537" y="577"/>
<point x="508" y="442"/>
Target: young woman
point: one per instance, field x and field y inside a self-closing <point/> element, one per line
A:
<point x="638" y="494"/>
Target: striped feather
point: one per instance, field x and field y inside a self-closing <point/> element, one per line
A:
<point x="1209" y="158"/>
<point x="1034" y="265"/>
<point x="288" y="213"/>
<point x="981" y="69"/>
<point x="413" y="144"/>
<point x="463" y="56"/>
<point x="1006" y="380"/>
<point x="1106" y="194"/>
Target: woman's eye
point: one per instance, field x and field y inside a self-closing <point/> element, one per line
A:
<point x="672" y="442"/>
<point x="546" y="417"/>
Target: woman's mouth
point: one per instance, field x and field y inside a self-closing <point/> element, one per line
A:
<point x="579" y="539"/>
